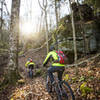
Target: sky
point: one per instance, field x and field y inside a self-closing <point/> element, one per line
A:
<point x="29" y="9"/>
<point x="29" y="12"/>
<point x="26" y="7"/>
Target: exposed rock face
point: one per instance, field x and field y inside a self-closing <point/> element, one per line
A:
<point x="85" y="10"/>
<point x="91" y="34"/>
<point x="90" y="26"/>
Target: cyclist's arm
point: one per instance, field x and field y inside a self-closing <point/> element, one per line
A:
<point x="26" y="64"/>
<point x="47" y="59"/>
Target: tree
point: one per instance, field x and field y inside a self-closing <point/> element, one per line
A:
<point x="13" y="41"/>
<point x="41" y="21"/>
<point x="44" y="8"/>
<point x="1" y="15"/>
<point x="56" y="13"/>
<point x="1" y="19"/>
<point x="59" y="7"/>
<point x="94" y="3"/>
<point x="82" y="31"/>
<point x="74" y="35"/>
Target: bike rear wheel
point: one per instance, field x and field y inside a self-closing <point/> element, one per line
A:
<point x="66" y="91"/>
<point x="30" y="73"/>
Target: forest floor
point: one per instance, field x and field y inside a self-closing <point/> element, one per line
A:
<point x="85" y="84"/>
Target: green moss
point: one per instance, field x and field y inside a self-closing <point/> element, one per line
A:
<point x="21" y="52"/>
<point x="82" y="78"/>
<point x="38" y="72"/>
<point x="21" y="81"/>
<point x="91" y="77"/>
<point x="85" y="89"/>
<point x="74" y="79"/>
<point x="66" y="77"/>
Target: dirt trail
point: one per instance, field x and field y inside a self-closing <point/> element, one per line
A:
<point x="37" y="56"/>
<point x="34" y="89"/>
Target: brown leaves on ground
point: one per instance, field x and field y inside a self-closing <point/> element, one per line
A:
<point x="34" y="90"/>
<point x="90" y="76"/>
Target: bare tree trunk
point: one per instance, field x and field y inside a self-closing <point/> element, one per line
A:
<point x="1" y="20"/>
<point x="82" y="31"/>
<point x="41" y="19"/>
<point x="14" y="41"/>
<point x="44" y="8"/>
<point x="59" y="11"/>
<point x="74" y="35"/>
<point x="1" y="15"/>
<point x="50" y="19"/>
<point x="46" y="31"/>
<point x="56" y="13"/>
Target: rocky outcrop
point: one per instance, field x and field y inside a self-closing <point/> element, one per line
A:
<point x="90" y="26"/>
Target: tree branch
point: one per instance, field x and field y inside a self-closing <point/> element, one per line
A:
<point x="40" y="5"/>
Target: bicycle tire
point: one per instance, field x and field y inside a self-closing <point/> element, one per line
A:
<point x="69" y="95"/>
<point x="30" y="73"/>
<point x="57" y="93"/>
<point x="52" y="89"/>
<point x="48" y="84"/>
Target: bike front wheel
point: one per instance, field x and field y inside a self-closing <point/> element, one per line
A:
<point x="48" y="85"/>
<point x="66" y="91"/>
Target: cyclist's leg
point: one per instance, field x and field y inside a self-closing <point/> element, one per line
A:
<point x="50" y="73"/>
<point x="60" y="73"/>
<point x="53" y="69"/>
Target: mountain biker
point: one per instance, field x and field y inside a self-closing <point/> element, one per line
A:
<point x="55" y="66"/>
<point x="30" y="64"/>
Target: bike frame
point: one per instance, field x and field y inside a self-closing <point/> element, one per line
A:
<point x="57" y="88"/>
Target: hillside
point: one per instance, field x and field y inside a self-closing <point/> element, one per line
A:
<point x="34" y="89"/>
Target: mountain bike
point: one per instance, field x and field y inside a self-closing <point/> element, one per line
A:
<point x="30" y="73"/>
<point x="61" y="89"/>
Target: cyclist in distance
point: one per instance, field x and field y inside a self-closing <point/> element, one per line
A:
<point x="30" y="64"/>
<point x="57" y="63"/>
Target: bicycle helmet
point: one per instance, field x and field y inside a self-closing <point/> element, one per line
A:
<point x="30" y="59"/>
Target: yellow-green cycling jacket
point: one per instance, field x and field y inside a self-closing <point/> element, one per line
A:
<point x="52" y="55"/>
<point x="29" y="63"/>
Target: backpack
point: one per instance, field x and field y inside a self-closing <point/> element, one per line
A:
<point x="62" y="59"/>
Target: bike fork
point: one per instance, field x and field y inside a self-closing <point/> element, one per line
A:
<point x="62" y="92"/>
